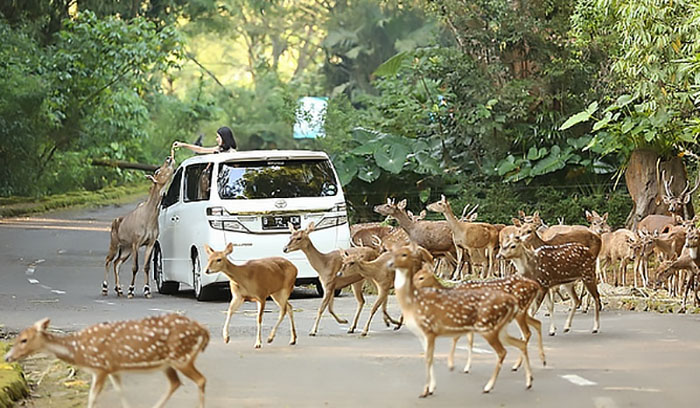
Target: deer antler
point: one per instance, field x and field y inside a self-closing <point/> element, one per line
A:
<point x="667" y="184"/>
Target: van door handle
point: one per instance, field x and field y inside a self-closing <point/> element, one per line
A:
<point x="175" y="219"/>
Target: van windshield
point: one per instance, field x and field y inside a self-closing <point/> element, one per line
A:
<point x="276" y="179"/>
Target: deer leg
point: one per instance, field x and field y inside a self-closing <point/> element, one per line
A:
<point x="381" y="298"/>
<point x="493" y="340"/>
<point x="396" y="323"/>
<point x="116" y="380"/>
<point x="258" y="331"/>
<point x="521" y="320"/>
<point x="460" y="263"/>
<point x="193" y="374"/>
<point x="550" y="306"/>
<point x="470" y="346"/>
<point x="522" y="346"/>
<point x="327" y="295"/>
<point x="293" y="334"/>
<point x="429" y="356"/>
<point x="285" y="308"/>
<point x="147" y="269"/>
<point x="122" y="257"/>
<point x="174" y="382"/>
<point x="451" y="355"/>
<point x="134" y="269"/>
<point x="575" y="302"/>
<point x="98" y="382"/>
<point x="113" y="249"/>
<point x="592" y="289"/>
<point x="357" y="291"/>
<point x="236" y="302"/>
<point x="331" y="289"/>
<point x="537" y="325"/>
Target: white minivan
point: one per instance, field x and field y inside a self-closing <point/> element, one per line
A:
<point x="248" y="199"/>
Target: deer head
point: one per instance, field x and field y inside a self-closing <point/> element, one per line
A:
<point x="441" y="206"/>
<point x="391" y="209"/>
<point x="642" y="245"/>
<point x="692" y="242"/>
<point x="599" y="223"/>
<point x="676" y="204"/>
<point x="217" y="259"/>
<point x="162" y="175"/>
<point x="425" y="278"/>
<point x="29" y="341"/>
<point x="299" y="238"/>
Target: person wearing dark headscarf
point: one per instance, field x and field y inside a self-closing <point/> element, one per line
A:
<point x="224" y="143"/>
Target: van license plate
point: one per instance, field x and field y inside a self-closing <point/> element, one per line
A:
<point x="280" y="222"/>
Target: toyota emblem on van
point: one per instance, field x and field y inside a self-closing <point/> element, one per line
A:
<point x="280" y="203"/>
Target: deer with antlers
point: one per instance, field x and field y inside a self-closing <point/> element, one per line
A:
<point x="678" y="205"/>
<point x="256" y="280"/>
<point x="430" y="313"/>
<point x="136" y="229"/>
<point x="327" y="266"/>
<point x="468" y="236"/>
<point x="168" y="343"/>
<point x="431" y="235"/>
<point x="552" y="265"/>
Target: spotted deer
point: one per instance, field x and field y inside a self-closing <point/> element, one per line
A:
<point x="556" y="265"/>
<point x="468" y="236"/>
<point x="167" y="343"/>
<point x="380" y="275"/>
<point x="256" y="280"/>
<point x="327" y="266"/>
<point x="525" y="291"/>
<point x="430" y="313"/>
<point x="136" y="229"/>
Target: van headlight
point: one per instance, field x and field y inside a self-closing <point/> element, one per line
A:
<point x="329" y="222"/>
<point x="228" y="225"/>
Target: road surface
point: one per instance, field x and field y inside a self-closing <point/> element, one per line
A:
<point x="52" y="266"/>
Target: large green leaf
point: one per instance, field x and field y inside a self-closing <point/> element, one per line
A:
<point x="391" y="66"/>
<point x="393" y="158"/>
<point x="346" y="169"/>
<point x="369" y="173"/>
<point x="575" y="120"/>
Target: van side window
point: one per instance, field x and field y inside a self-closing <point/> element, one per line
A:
<point x="173" y="194"/>
<point x="197" y="182"/>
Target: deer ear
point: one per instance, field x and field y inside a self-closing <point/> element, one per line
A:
<point x="229" y="248"/>
<point x="291" y="227"/>
<point x="442" y="198"/>
<point x="605" y="217"/>
<point x="516" y="222"/>
<point x="402" y="204"/>
<point x="208" y="249"/>
<point x="388" y="201"/>
<point x="311" y="226"/>
<point x="589" y="216"/>
<point x="521" y="214"/>
<point x="42" y="324"/>
<point x="423" y="214"/>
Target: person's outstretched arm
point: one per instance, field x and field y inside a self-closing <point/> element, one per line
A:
<point x="195" y="148"/>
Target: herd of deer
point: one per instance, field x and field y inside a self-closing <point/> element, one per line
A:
<point x="405" y="259"/>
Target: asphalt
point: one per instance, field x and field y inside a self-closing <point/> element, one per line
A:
<point x="52" y="266"/>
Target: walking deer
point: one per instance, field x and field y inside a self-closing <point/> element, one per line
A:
<point x="525" y="291"/>
<point x="430" y="313"/>
<point x="256" y="280"/>
<point x="468" y="236"/>
<point x="327" y="266"/>
<point x="167" y="343"/>
<point x="380" y="275"/>
<point x="136" y="229"/>
<point x="556" y="265"/>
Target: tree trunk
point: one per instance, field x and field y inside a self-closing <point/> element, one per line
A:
<point x="125" y="165"/>
<point x="646" y="188"/>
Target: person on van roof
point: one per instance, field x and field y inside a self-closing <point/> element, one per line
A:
<point x="224" y="139"/>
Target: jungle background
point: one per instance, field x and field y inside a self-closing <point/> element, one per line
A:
<point x="507" y="104"/>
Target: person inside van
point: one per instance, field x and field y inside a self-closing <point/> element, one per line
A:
<point x="224" y="139"/>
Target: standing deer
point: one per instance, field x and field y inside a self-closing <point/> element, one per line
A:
<point x="468" y="236"/>
<point x="430" y="313"/>
<point x="136" y="229"/>
<point x="161" y="343"/>
<point x="616" y="247"/>
<point x="556" y="265"/>
<point x="256" y="280"/>
<point x="525" y="291"/>
<point x="379" y="274"/>
<point x="432" y="235"/>
<point x="678" y="205"/>
<point x="327" y="266"/>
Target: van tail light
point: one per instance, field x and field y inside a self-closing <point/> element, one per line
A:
<point x="329" y="222"/>
<point x="228" y="225"/>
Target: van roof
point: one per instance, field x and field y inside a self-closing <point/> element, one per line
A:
<point x="254" y="155"/>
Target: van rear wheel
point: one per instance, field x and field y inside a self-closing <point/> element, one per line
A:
<point x="201" y="293"/>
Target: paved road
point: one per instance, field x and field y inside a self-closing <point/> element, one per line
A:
<point x="52" y="265"/>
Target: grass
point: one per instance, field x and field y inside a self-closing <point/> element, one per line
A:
<point x="19" y="206"/>
<point x="13" y="386"/>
